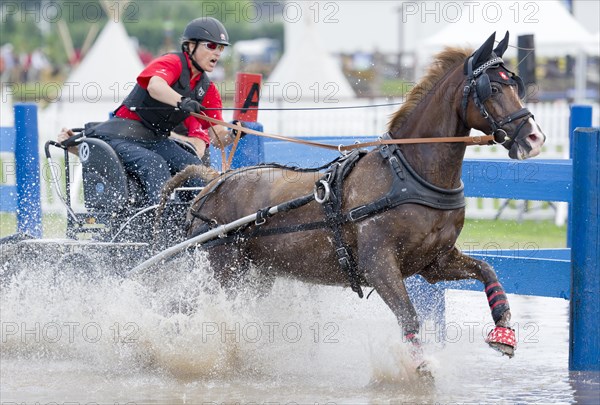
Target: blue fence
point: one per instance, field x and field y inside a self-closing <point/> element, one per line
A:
<point x="24" y="197"/>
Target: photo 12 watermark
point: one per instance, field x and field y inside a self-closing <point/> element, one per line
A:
<point x="67" y="403"/>
<point x="325" y="12"/>
<point x="269" y="332"/>
<point x="68" y="11"/>
<point x="68" y="332"/>
<point x="470" y="11"/>
<point x="68" y="91"/>
<point x="473" y="332"/>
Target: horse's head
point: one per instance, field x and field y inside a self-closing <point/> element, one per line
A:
<point x="496" y="93"/>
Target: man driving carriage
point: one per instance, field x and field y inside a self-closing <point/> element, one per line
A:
<point x="170" y="88"/>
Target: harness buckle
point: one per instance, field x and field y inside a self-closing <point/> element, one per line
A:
<point x="261" y="216"/>
<point x="357" y="213"/>
<point x="343" y="257"/>
<point x="344" y="262"/>
<point x="395" y="163"/>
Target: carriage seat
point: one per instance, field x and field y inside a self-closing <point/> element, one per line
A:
<point x="107" y="187"/>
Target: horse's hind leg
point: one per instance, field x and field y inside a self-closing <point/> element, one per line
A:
<point x="383" y="273"/>
<point x="457" y="266"/>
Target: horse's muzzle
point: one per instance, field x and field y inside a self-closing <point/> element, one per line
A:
<point x="529" y="141"/>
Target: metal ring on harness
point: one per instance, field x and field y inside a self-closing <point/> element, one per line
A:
<point x="504" y="138"/>
<point x="326" y="194"/>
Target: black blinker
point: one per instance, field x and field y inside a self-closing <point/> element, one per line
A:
<point x="484" y="87"/>
<point x="520" y="86"/>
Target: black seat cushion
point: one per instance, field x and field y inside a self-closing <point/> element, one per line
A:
<point x="106" y="185"/>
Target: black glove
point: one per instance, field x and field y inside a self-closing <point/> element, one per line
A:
<point x="234" y="132"/>
<point x="189" y="106"/>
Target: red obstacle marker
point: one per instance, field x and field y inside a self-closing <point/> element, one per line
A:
<point x="247" y="95"/>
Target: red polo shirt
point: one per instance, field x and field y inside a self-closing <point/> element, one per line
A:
<point x="169" y="68"/>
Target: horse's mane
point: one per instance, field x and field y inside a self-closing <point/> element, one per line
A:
<point x="443" y="63"/>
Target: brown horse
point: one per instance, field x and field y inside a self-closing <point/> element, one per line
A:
<point x="399" y="209"/>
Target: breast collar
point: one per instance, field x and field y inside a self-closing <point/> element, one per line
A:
<point x="408" y="187"/>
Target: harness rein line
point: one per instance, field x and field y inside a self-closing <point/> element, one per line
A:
<point x="469" y="140"/>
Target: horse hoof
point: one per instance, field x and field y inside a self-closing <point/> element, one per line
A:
<point x="424" y="372"/>
<point x="502" y="348"/>
<point x="503" y="340"/>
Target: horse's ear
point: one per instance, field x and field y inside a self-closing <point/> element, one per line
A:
<point x="482" y="55"/>
<point x="502" y="46"/>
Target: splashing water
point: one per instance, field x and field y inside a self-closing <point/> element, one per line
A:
<point x="177" y="337"/>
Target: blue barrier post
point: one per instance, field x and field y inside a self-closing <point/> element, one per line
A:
<point x="29" y="210"/>
<point x="580" y="117"/>
<point x="250" y="151"/>
<point x="584" y="350"/>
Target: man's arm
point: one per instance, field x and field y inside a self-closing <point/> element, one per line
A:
<point x="159" y="89"/>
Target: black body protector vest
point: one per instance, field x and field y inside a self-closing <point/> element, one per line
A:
<point x="158" y="116"/>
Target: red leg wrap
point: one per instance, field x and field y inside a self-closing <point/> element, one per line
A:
<point x="506" y="336"/>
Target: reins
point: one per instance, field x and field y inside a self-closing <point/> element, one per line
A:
<point x="469" y="140"/>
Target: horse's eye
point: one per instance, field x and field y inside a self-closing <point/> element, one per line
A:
<point x="495" y="90"/>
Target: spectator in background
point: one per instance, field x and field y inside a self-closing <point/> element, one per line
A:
<point x="9" y="62"/>
<point x="24" y="65"/>
<point x="39" y="65"/>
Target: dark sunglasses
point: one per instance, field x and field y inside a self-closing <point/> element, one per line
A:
<point x="212" y="46"/>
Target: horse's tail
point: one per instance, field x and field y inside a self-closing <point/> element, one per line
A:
<point x="193" y="172"/>
<point x="200" y="172"/>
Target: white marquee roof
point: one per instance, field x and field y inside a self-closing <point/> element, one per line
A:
<point x="97" y="85"/>
<point x="556" y="32"/>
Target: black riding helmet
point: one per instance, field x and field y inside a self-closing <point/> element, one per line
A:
<point x="206" y="29"/>
<point x="203" y="29"/>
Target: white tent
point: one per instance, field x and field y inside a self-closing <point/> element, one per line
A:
<point x="307" y="75"/>
<point x="556" y="32"/>
<point x="306" y="69"/>
<point x="97" y="86"/>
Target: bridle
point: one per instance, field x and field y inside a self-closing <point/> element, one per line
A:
<point x="478" y="82"/>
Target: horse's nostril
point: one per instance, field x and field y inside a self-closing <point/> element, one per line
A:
<point x="533" y="138"/>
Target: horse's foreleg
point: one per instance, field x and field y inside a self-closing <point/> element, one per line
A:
<point x="457" y="266"/>
<point x="382" y="272"/>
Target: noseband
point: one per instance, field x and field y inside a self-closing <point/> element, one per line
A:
<point x="478" y="82"/>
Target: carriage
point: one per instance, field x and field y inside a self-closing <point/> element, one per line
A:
<point x="372" y="218"/>
<point x="117" y="228"/>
